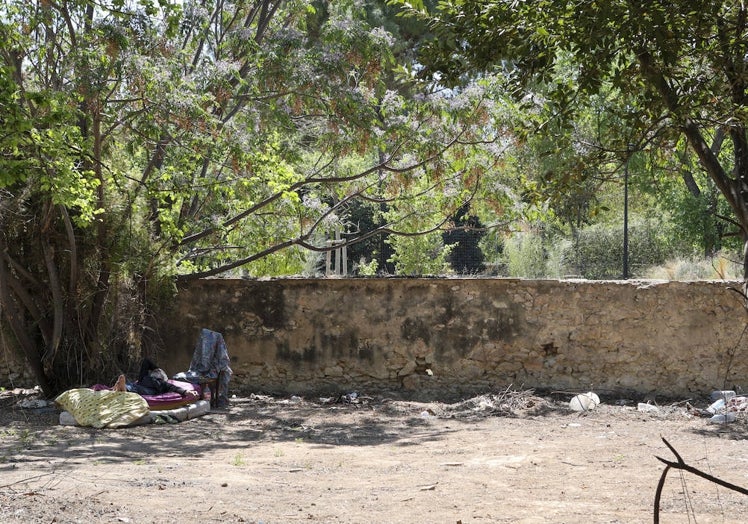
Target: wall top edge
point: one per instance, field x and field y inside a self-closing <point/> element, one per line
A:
<point x="629" y="282"/>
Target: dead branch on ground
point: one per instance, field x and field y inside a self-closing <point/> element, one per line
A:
<point x="681" y="464"/>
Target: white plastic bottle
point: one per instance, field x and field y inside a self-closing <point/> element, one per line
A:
<point x="716" y="406"/>
<point x="723" y="418"/>
<point x="724" y="395"/>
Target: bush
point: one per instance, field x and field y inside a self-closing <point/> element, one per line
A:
<point x="524" y="256"/>
<point x="597" y="252"/>
<point x="723" y="266"/>
<point x="419" y="255"/>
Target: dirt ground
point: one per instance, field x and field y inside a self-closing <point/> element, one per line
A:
<point x="502" y="457"/>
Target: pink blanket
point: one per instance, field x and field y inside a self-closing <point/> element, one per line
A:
<point x="170" y="400"/>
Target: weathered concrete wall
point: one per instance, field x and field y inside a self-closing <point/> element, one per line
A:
<point x="449" y="335"/>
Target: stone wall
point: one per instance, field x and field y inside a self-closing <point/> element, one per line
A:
<point x="457" y="335"/>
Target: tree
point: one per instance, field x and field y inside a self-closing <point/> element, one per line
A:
<point x="145" y="144"/>
<point x="61" y="76"/>
<point x="466" y="255"/>
<point x="676" y="68"/>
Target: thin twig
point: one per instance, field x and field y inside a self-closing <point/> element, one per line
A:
<point x="35" y="477"/>
<point x="681" y="465"/>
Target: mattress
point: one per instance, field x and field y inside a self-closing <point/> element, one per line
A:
<point x="168" y="400"/>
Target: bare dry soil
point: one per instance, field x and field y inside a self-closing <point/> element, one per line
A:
<point x="504" y="457"/>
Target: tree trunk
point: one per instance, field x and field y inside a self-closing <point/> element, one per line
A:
<point x="13" y="314"/>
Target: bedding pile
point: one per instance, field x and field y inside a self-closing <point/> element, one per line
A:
<point x="100" y="407"/>
<point x="103" y="409"/>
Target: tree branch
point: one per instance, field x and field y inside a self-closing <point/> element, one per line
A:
<point x="681" y="464"/>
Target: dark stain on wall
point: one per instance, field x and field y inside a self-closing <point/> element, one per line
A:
<point x="328" y="345"/>
<point x="339" y="345"/>
<point x="550" y="349"/>
<point x="284" y="352"/>
<point x="507" y="324"/>
<point x="413" y="329"/>
<point x="461" y="328"/>
<point x="268" y="303"/>
<point x="455" y="340"/>
<point x="365" y="351"/>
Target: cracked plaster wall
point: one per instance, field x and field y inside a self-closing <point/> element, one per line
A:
<point x="427" y="335"/>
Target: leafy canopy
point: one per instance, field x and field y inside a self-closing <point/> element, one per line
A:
<point x="672" y="69"/>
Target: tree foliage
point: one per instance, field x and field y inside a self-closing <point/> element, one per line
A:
<point x="672" y="69"/>
<point x="145" y="143"/>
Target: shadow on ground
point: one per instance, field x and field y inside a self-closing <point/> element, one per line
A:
<point x="35" y="437"/>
